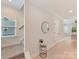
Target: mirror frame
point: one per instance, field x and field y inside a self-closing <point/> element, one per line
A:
<point x="42" y="27"/>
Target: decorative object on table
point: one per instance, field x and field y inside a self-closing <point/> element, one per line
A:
<point x="74" y="27"/>
<point x="42" y="49"/>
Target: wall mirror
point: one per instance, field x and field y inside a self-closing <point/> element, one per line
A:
<point x="45" y="27"/>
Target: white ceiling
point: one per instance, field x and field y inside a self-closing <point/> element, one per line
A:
<point x="64" y="8"/>
<point x="60" y="7"/>
<point x="18" y="4"/>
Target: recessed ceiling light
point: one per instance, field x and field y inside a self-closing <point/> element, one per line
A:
<point x="9" y="0"/>
<point x="70" y="11"/>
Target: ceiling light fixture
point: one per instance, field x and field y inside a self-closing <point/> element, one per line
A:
<point x="70" y="11"/>
<point x="9" y="0"/>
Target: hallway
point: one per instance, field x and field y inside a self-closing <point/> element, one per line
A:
<point x="63" y="50"/>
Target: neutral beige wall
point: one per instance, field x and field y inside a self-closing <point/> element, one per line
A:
<point x="34" y="17"/>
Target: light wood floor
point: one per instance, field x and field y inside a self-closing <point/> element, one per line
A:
<point x="63" y="50"/>
<point x="21" y="56"/>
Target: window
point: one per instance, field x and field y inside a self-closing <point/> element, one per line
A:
<point x="8" y="27"/>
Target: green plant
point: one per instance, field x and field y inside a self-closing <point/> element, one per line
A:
<point x="74" y="29"/>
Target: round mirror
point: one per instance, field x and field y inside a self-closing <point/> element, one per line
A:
<point x="45" y="27"/>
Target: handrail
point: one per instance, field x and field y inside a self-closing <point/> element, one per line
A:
<point x="21" y="27"/>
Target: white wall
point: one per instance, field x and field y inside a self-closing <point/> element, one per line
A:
<point x="34" y="17"/>
<point x="17" y="15"/>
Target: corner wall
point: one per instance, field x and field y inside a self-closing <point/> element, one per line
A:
<point x="34" y="17"/>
